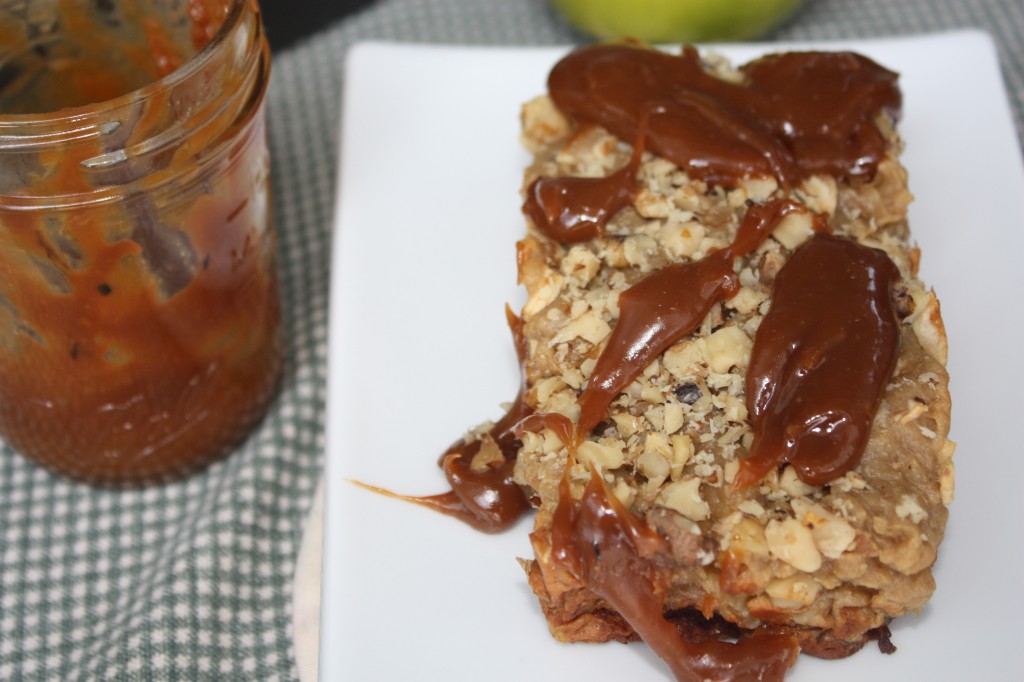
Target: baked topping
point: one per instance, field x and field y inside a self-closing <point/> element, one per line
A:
<point x="797" y="115"/>
<point x="821" y="360"/>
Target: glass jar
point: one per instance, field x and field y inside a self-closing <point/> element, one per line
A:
<point x="139" y="311"/>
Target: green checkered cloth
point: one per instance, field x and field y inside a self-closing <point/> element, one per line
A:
<point x="193" y="581"/>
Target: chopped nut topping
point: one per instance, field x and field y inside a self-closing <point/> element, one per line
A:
<point x="588" y="327"/>
<point x="792" y="542"/>
<point x="606" y="454"/>
<point x="795" y="592"/>
<point x="791" y="483"/>
<point x="832" y="535"/>
<point x="794" y="230"/>
<point x="727" y="348"/>
<point x="684" y="497"/>
<point x="909" y="508"/>
<point x="751" y="508"/>
<point x="927" y="325"/>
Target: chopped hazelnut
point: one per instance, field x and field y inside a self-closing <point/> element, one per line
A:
<point x="684" y="497"/>
<point x="606" y="454"/>
<point x="726" y="348"/>
<point x="791" y="541"/>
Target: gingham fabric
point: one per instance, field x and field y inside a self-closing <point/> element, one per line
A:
<point x="193" y="581"/>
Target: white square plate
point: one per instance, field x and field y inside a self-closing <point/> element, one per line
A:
<point x="424" y="260"/>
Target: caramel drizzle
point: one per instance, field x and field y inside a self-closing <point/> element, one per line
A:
<point x="577" y="209"/>
<point x="597" y="540"/>
<point x="656" y="312"/>
<point x="486" y="497"/>
<point x="668" y="305"/>
<point x="797" y="114"/>
<point x="821" y="360"/>
<point x="611" y="551"/>
<point x="573" y="210"/>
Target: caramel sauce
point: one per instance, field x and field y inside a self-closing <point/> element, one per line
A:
<point x="797" y="114"/>
<point x="612" y="552"/>
<point x="655" y="312"/>
<point x="573" y="209"/>
<point x="668" y="305"/>
<point x="821" y="360"/>
<point x="485" y="497"/>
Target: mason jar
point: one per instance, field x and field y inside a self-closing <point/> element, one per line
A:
<point x="139" y="311"/>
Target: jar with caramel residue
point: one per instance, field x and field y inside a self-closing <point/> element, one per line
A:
<point x="139" y="311"/>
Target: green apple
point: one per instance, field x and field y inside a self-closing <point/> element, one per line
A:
<point x="671" y="21"/>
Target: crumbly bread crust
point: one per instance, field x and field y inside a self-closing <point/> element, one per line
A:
<point x="830" y="564"/>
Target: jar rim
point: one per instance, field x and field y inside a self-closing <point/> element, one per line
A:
<point x="111" y="167"/>
<point x="84" y="112"/>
